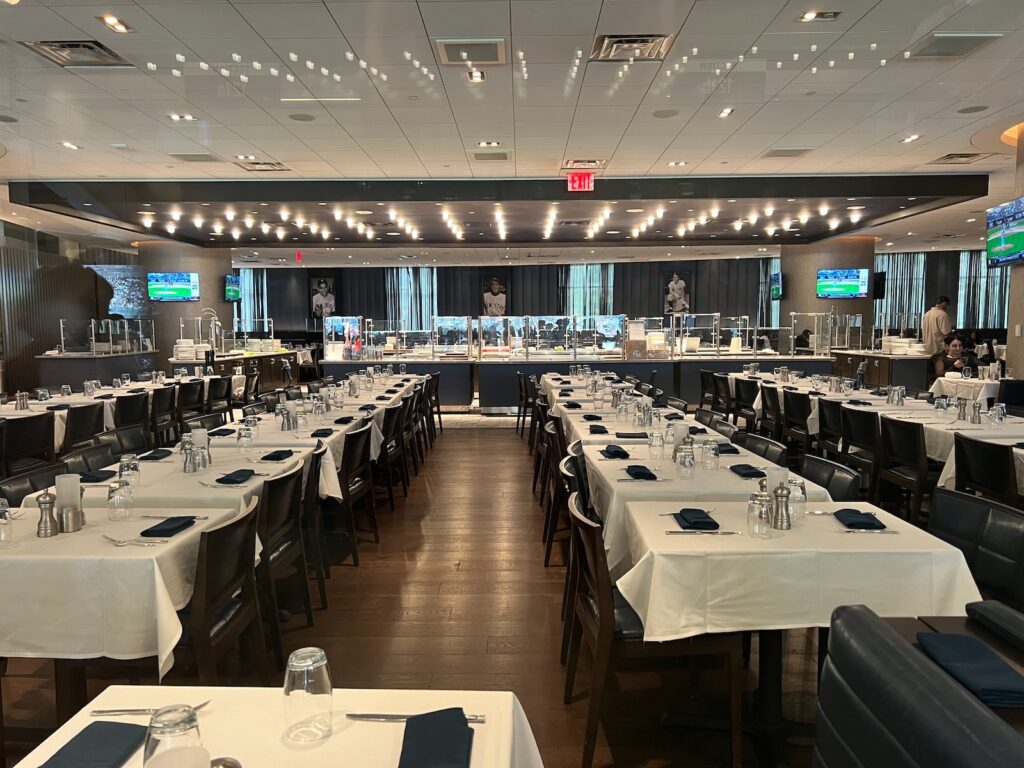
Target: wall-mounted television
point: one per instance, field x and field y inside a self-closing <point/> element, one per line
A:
<point x="232" y="288"/>
<point x="173" y="286"/>
<point x="1005" y="242"/>
<point x="843" y="283"/>
<point x="775" y="286"/>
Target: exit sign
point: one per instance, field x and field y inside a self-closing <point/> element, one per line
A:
<point x="581" y="181"/>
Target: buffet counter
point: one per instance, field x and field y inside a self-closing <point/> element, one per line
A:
<point x="269" y="365"/>
<point x="884" y="370"/>
<point x="74" y="367"/>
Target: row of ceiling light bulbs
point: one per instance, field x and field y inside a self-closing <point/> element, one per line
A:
<point x="148" y="218"/>
<point x="855" y="215"/>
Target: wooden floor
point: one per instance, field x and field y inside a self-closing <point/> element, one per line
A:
<point x="456" y="597"/>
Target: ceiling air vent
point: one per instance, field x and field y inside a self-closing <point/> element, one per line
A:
<point x="480" y="50"/>
<point x="78" y="53"/>
<point x="262" y="166"/>
<point x="961" y="158"/>
<point x="408" y="256"/>
<point x="574" y="222"/>
<point x="583" y="163"/>
<point x="951" y="46"/>
<point x="194" y="157"/>
<point x="489" y="156"/>
<point x="787" y="152"/>
<point x="627" y="47"/>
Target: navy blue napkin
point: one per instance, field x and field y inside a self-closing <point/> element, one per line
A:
<point x="614" y="452"/>
<point x="974" y="665"/>
<point x="222" y="432"/>
<point x="571" y="404"/>
<point x="322" y="432"/>
<point x="439" y="739"/>
<point x="747" y="471"/>
<point x="858" y="521"/>
<point x="610" y="378"/>
<point x="597" y="429"/>
<point x="565" y="392"/>
<point x="391" y="391"/>
<point x="815" y="394"/>
<point x="877" y="393"/>
<point x="107" y="396"/>
<point x="999" y="619"/>
<point x="640" y="472"/>
<point x="728" y="448"/>
<point x="859" y="402"/>
<point x="674" y="417"/>
<point x="155" y="455"/>
<point x="1018" y="445"/>
<point x="368" y="407"/>
<point x="792" y="389"/>
<point x="698" y="431"/>
<point x="382" y="397"/>
<point x="753" y="378"/>
<point x="691" y="519"/>
<point x="98" y="475"/>
<point x="136" y="390"/>
<point x="592" y="417"/>
<point x="278" y="455"/>
<point x="631" y="435"/>
<point x="101" y="744"/>
<point x="58" y="407"/>
<point x="345" y="420"/>
<point x="406" y="381"/>
<point x="167" y="528"/>
<point x="237" y="477"/>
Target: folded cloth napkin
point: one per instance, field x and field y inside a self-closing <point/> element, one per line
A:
<point x="597" y="429"/>
<point x="674" y="417"/>
<point x="391" y="391"/>
<point x="98" y="475"/>
<point x="999" y="619"/>
<point x="877" y="393"/>
<point x="728" y="448"/>
<point x="859" y="402"/>
<point x="382" y="397"/>
<point x="237" y="477"/>
<point x="222" y="432"/>
<point x="747" y="471"/>
<point x="698" y="431"/>
<point x="859" y="521"/>
<point x="323" y="432"/>
<point x="614" y="452"/>
<point x="976" y="667"/>
<point x="815" y="394"/>
<point x="368" y="407"/>
<point x="279" y="455"/>
<point x="753" y="378"/>
<point x="566" y="392"/>
<point x="439" y="739"/>
<point x="792" y="389"/>
<point x="610" y="378"/>
<point x="58" y="407"/>
<point x="156" y="455"/>
<point x="631" y="435"/>
<point x="1018" y="445"/>
<point x="345" y="420"/>
<point x="103" y="397"/>
<point x="136" y="390"/>
<point x="571" y="404"/>
<point x="169" y="527"/>
<point x="592" y="417"/>
<point x="100" y="744"/>
<point x="640" y="472"/>
<point x="691" y="519"/>
<point x="405" y="381"/>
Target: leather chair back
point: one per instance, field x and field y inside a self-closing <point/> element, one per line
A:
<point x="769" y="449"/>
<point x="83" y="423"/>
<point x="16" y="488"/>
<point x="89" y="459"/>
<point x="987" y="468"/>
<point x="131" y="409"/>
<point x="841" y="482"/>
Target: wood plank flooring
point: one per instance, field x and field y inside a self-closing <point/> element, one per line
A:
<point x="456" y="597"/>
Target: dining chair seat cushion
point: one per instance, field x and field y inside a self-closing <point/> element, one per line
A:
<point x="628" y="625"/>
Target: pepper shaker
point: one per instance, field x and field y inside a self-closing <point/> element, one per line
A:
<point x="782" y="520"/>
<point x="47" y="521"/>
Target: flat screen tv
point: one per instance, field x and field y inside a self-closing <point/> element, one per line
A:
<point x="843" y="283"/>
<point x="232" y="288"/>
<point x="775" y="286"/>
<point x="1005" y="241"/>
<point x="173" y="286"/>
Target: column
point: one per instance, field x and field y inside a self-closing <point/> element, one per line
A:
<point x="212" y="264"/>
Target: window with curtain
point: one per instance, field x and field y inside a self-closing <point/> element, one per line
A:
<point x="904" y="288"/>
<point x="589" y="289"/>
<point x="982" y="294"/>
<point x="411" y="294"/>
<point x="768" y="310"/>
<point x="252" y="309"/>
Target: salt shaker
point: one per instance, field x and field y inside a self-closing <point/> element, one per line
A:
<point x="47" y="521"/>
<point x="782" y="519"/>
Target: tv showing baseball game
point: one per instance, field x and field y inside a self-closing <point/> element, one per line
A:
<point x="775" y="286"/>
<point x="173" y="286"/>
<point x="1005" y="241"/>
<point x="843" y="283"/>
<point x="232" y="288"/>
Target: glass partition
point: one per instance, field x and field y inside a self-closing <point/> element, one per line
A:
<point x="811" y="333"/>
<point x="343" y="337"/>
<point x="772" y="340"/>
<point x="695" y="334"/>
<point x="736" y="335"/>
<point x="847" y="332"/>
<point x="416" y="343"/>
<point x="550" y="337"/>
<point x="500" y="338"/>
<point x="600" y="337"/>
<point x="379" y="342"/>
<point x="453" y="337"/>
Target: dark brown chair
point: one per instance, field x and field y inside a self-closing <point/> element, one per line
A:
<point x="126" y="440"/>
<point x="678" y="404"/>
<point x="771" y="412"/>
<point x="435" y="398"/>
<point x="903" y="463"/>
<point x="743" y="404"/>
<point x="986" y="468"/>
<point x="796" y="411"/>
<point x="830" y="427"/>
<point x="707" y="389"/>
<point x="163" y="416"/>
<point x="89" y="458"/>
<point x="1011" y="392"/>
<point x="312" y="524"/>
<point x="283" y="556"/>
<point x="706" y="417"/>
<point x="774" y="451"/>
<point x="293" y="393"/>
<point x="390" y="463"/>
<point x="29" y="443"/>
<point x="860" y="444"/>
<point x="83" y="423"/>
<point x="218" y="396"/>
<point x="556" y="520"/>
<point x="722" y="404"/>
<point x="723" y="427"/>
<point x="271" y="400"/>
<point x="224" y="612"/>
<point x="190" y="400"/>
<point x="130" y="410"/>
<point x="254" y="409"/>
<point x="410" y="442"/>
<point x="209" y="421"/>
<point x="842" y="483"/>
<point x="17" y="487"/>
<point x="3" y="463"/>
<point x="355" y="476"/>
<point x="313" y="388"/>
<point x="250" y="392"/>
<point x="615" y="634"/>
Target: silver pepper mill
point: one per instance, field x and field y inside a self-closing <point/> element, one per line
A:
<point x="47" y="520"/>
<point x="781" y="520"/>
<point x="976" y="413"/>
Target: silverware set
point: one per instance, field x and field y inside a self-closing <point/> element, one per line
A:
<point x="134" y="542"/>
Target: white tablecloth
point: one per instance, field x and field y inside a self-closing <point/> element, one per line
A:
<point x="578" y="428"/>
<point x="247" y="724"/>
<point x="552" y="383"/>
<point x="970" y="389"/>
<point x="948" y="477"/>
<point x="611" y="489"/>
<point x="77" y="596"/>
<point x="688" y="585"/>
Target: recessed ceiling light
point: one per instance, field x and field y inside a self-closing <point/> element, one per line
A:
<point x="612" y="232"/>
<point x="483" y="144"/>
<point x="726" y="112"/>
<point x="245" y="157"/>
<point x="912" y="137"/>
<point x="634" y="210"/>
<point x="971" y="221"/>
<point x="176" y="117"/>
<point x="364" y="213"/>
<point x="310" y="98"/>
<point x="476" y="76"/>
<point x="112" y="22"/>
<point x="69" y="145"/>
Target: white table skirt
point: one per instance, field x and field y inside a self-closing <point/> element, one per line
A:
<point x="78" y="596"/>
<point x="970" y="389"/>
<point x="610" y="490"/>
<point x="682" y="586"/>
<point x="247" y="724"/>
<point x="948" y="477"/>
<point x="578" y="428"/>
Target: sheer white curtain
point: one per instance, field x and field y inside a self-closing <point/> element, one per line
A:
<point x="768" y="310"/>
<point x="253" y="305"/>
<point x="982" y="294"/>
<point x="904" y="287"/>
<point x="411" y="294"/>
<point x="589" y="289"/>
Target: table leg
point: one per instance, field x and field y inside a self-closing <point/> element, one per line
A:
<point x="69" y="688"/>
<point x="768" y="699"/>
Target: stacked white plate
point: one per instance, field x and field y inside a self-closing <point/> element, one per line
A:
<point x="269" y="345"/>
<point x="184" y="352"/>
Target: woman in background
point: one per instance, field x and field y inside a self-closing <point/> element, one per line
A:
<point x="956" y="357"/>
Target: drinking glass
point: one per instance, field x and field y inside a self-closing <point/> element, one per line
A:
<point x="758" y="524"/>
<point x="126" y="379"/>
<point x="120" y="505"/>
<point x="173" y="739"/>
<point x="65" y="390"/>
<point x="797" y="497"/>
<point x="966" y="371"/>
<point x="686" y="462"/>
<point x="401" y="369"/>
<point x="253" y="423"/>
<point x="6" y="525"/>
<point x="847" y="386"/>
<point x="710" y="456"/>
<point x="88" y="389"/>
<point x="599" y="400"/>
<point x="319" y="411"/>
<point x="308" y="696"/>
<point x="116" y="383"/>
<point x="202" y="460"/>
<point x="128" y="469"/>
<point x="243" y="440"/>
<point x="776" y="372"/>
<point x="656" y="445"/>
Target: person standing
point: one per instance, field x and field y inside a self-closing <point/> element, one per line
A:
<point x="935" y="326"/>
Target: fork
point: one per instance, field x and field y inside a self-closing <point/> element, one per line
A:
<point x="134" y="542"/>
<point x="128" y="711"/>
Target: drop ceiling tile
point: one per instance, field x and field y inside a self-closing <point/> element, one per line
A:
<point x="485" y="18"/>
<point x="195" y="22"/>
<point x="566" y="17"/>
<point x="378" y="19"/>
<point x="307" y="20"/>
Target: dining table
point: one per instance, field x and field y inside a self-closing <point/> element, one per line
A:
<point x="947" y="478"/>
<point x="970" y="389"/>
<point x="248" y="724"/>
<point x="577" y="426"/>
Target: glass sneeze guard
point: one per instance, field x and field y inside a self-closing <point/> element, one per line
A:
<point x="452" y="337"/>
<point x="600" y="337"/>
<point x="343" y="337"/>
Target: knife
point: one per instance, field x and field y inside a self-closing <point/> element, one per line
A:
<point x="389" y="718"/>
<point x="867" y="530"/>
<point x="168" y="517"/>
<point x="702" y="533"/>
